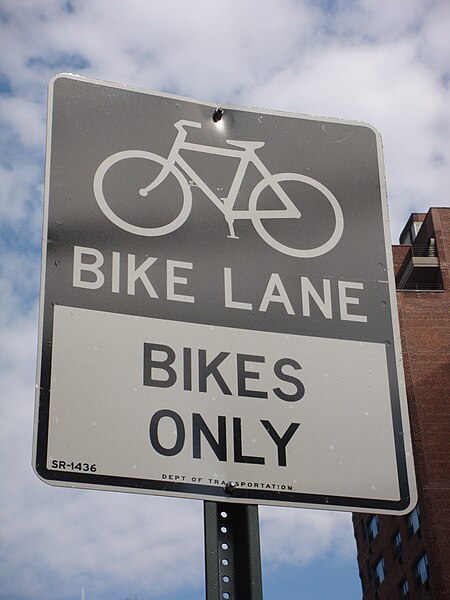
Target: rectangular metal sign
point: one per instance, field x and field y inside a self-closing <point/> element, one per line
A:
<point x="218" y="315"/>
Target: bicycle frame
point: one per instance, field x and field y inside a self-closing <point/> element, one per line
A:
<point x="226" y="205"/>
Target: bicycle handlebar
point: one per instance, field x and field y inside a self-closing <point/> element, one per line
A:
<point x="185" y="123"/>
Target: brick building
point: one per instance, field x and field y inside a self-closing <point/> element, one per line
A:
<point x="409" y="557"/>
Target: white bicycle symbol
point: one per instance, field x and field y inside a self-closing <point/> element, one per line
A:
<point x="176" y="165"/>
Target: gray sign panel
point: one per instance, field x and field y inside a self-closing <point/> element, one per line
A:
<point x="218" y="305"/>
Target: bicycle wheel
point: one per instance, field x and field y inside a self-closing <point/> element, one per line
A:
<point x="119" y="208"/>
<point x="271" y="228"/>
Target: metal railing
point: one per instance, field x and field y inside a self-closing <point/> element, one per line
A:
<point x="423" y="250"/>
<point x="420" y="287"/>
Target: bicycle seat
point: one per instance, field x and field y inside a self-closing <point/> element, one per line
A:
<point x="246" y="145"/>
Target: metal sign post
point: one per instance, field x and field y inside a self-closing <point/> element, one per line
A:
<point x="232" y="551"/>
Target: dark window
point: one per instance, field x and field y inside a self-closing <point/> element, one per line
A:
<point x="414" y="521"/>
<point x="379" y="571"/>
<point x="421" y="570"/>
<point x="403" y="589"/>
<point x="397" y="544"/>
<point x="373" y="527"/>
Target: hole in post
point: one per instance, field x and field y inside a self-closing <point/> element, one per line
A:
<point x="223" y="514"/>
<point x="224" y="530"/>
<point x="226" y="595"/>
<point x="225" y="546"/>
<point x="225" y="579"/>
<point x="225" y="561"/>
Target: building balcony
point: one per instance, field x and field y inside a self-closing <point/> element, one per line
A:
<point x="419" y="269"/>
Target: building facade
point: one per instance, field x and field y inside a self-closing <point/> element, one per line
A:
<point x="409" y="557"/>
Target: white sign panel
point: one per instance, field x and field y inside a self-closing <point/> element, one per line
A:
<point x="218" y="306"/>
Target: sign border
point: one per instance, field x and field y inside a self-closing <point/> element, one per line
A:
<point x="399" y="406"/>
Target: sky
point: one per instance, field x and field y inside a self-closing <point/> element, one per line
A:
<point x="382" y="62"/>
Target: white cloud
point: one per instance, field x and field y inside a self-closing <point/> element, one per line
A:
<point x="388" y="67"/>
<point x="388" y="87"/>
<point x="298" y="537"/>
<point x="104" y="540"/>
<point x="287" y="61"/>
<point x="434" y="32"/>
<point x="20" y="201"/>
<point x="196" y="47"/>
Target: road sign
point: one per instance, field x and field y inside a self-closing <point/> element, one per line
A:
<point x="218" y="315"/>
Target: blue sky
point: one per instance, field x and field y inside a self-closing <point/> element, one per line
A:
<point x="383" y="62"/>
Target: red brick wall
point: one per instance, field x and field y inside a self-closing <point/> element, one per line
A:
<point x="425" y="332"/>
<point x="401" y="256"/>
<point x="396" y="568"/>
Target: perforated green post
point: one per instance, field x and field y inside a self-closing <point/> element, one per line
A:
<point x="232" y="552"/>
